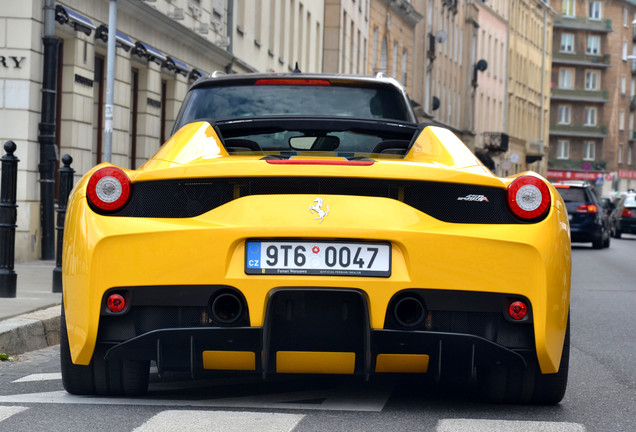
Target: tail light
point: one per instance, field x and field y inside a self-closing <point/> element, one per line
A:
<point x="587" y="208"/>
<point x="108" y="189"/>
<point x="627" y="213"/>
<point x="528" y="197"/>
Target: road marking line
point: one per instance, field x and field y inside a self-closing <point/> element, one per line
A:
<point x="226" y="421"/>
<point x="40" y="377"/>
<point x="8" y="411"/>
<point x="480" y="425"/>
<point x="327" y="400"/>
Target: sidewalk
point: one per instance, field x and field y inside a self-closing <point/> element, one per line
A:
<point x="30" y="321"/>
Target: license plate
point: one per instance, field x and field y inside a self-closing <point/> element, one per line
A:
<point x="318" y="258"/>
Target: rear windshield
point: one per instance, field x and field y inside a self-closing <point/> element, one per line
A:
<point x="630" y="201"/>
<point x="219" y="103"/>
<point x="573" y="194"/>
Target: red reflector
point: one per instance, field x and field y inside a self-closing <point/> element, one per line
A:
<point x="561" y="186"/>
<point x="116" y="303"/>
<point x="518" y="310"/>
<point x="292" y="81"/>
<point x="318" y="162"/>
<point x="627" y="213"/>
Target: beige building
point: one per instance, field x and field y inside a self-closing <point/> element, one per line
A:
<point x="275" y="35"/>
<point x="162" y="47"/>
<point x="592" y="122"/>
<point x="528" y="86"/>
<point x="392" y="26"/>
<point x="346" y="36"/>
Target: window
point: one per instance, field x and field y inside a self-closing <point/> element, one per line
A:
<point x="629" y="154"/>
<point x="563" y="149"/>
<point x="625" y="17"/>
<point x="566" y="78"/>
<point x="620" y="153"/>
<point x="404" y="62"/>
<point x="374" y="51"/>
<point x="595" y="10"/>
<point x="569" y="8"/>
<point x="567" y="42"/>
<point x="621" y="120"/>
<point x="624" y="51"/>
<point x="590" y="116"/>
<point x="589" y="150"/>
<point x="623" y="84"/>
<point x="565" y="114"/>
<point x="395" y="60"/>
<point x="591" y="80"/>
<point x="594" y="45"/>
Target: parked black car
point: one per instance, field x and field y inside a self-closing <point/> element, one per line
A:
<point x="589" y="219"/>
<point x="623" y="220"/>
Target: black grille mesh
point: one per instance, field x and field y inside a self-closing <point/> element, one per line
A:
<point x="448" y="202"/>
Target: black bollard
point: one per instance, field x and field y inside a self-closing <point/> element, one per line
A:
<point x="8" y="216"/>
<point x="66" y="185"/>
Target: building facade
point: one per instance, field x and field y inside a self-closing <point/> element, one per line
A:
<point x="162" y="47"/>
<point x="592" y="120"/>
<point x="528" y="86"/>
<point x="346" y="36"/>
<point x="392" y="26"/>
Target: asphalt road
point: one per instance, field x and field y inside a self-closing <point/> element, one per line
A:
<point x="601" y="394"/>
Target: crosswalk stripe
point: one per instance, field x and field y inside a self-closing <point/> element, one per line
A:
<point x="225" y="421"/>
<point x="480" y="425"/>
<point x="8" y="411"/>
<point x="39" y="377"/>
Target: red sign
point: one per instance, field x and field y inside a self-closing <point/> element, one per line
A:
<point x="574" y="175"/>
<point x="626" y="174"/>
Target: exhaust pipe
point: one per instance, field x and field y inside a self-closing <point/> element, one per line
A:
<point x="409" y="311"/>
<point x="226" y="308"/>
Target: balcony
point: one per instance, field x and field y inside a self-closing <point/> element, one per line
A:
<point x="579" y="95"/>
<point x="578" y="130"/>
<point x="583" y="23"/>
<point x="581" y="59"/>
<point x="575" y="164"/>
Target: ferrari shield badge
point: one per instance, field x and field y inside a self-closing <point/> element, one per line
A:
<point x="318" y="209"/>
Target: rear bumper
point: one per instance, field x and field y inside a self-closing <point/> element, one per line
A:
<point x="628" y="226"/>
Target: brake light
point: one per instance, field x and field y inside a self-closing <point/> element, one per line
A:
<point x="587" y="208"/>
<point x="627" y="213"/>
<point x="319" y="162"/>
<point x="292" y="81"/>
<point x="108" y="189"/>
<point x="528" y="197"/>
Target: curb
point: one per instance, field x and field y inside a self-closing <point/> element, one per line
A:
<point x="30" y="332"/>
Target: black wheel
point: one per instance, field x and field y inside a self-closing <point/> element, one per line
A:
<point x="107" y="378"/>
<point x="549" y="389"/>
<point x="597" y="243"/>
<point x="119" y="377"/>
<point x="522" y="385"/>
<point x="617" y="233"/>
<point x="76" y="379"/>
<point x="606" y="243"/>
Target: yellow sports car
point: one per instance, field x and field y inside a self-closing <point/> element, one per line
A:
<point x="307" y="224"/>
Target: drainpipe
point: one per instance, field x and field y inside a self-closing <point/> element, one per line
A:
<point x="48" y="149"/>
<point x="229" y="32"/>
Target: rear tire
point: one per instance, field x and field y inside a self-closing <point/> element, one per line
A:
<point x="76" y="379"/>
<point x="106" y="378"/>
<point x="549" y="389"/>
<point x="598" y="243"/>
<point x="518" y="385"/>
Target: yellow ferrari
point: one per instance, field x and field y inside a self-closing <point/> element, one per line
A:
<point x="307" y="224"/>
